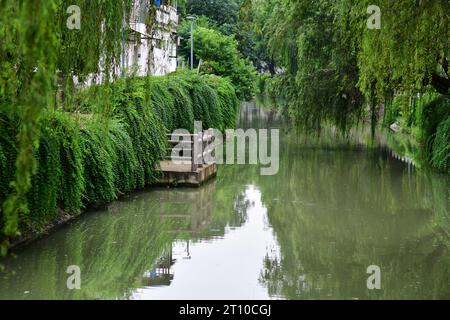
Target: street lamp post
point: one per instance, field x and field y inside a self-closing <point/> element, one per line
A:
<point x="192" y="18"/>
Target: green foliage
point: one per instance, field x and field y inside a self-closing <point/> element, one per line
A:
<point x="312" y="42"/>
<point x="97" y="46"/>
<point x="37" y="62"/>
<point x="72" y="184"/>
<point x="8" y="153"/>
<point x="91" y="157"/>
<point x="98" y="162"/>
<point x="271" y="89"/>
<point x="261" y="83"/>
<point x="340" y="70"/>
<point x="220" y="56"/>
<point x="431" y="112"/>
<point x="401" y="110"/>
<point x="224" y="13"/>
<point x="179" y="89"/>
<point x="251" y="35"/>
<point x="227" y="101"/>
<point x="126" y="165"/>
<point x="205" y="102"/>
<point x="59" y="181"/>
<point x="392" y="111"/>
<point x="424" y="109"/>
<point x="234" y="17"/>
<point x="27" y="72"/>
<point x="162" y="101"/>
<point x="146" y="129"/>
<point x="130" y="113"/>
<point x="121" y="155"/>
<point x="424" y="118"/>
<point x="441" y="147"/>
<point x="410" y="51"/>
<point x="2" y="164"/>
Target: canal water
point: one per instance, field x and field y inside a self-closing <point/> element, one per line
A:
<point x="310" y="232"/>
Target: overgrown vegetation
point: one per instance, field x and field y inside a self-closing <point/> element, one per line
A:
<point x="441" y="147"/>
<point x="83" y="159"/>
<point x="335" y="70"/>
<point x="38" y="60"/>
<point x="219" y="55"/>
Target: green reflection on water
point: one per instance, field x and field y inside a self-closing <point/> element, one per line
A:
<point x="335" y="208"/>
<point x="336" y="212"/>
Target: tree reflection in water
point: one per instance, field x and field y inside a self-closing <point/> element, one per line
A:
<point x="335" y="208"/>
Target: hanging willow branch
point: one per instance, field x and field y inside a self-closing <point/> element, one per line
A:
<point x="39" y="57"/>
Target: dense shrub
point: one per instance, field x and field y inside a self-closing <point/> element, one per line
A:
<point x="395" y="109"/>
<point x="98" y="161"/>
<point x="113" y="144"/>
<point x="145" y="128"/>
<point x="228" y="102"/>
<point x="441" y="147"/>
<point x="220" y="56"/>
<point x="161" y="101"/>
<point x="2" y="166"/>
<point x="432" y="119"/>
<point x="8" y="153"/>
<point x="205" y="102"/>
<point x="71" y="160"/>
<point x="429" y="115"/>
<point x="273" y="88"/>
<point x="59" y="179"/>
<point x="261" y="83"/>
<point x="426" y="118"/>
<point x="422" y="103"/>
<point x="179" y="89"/>
<point x="126" y="167"/>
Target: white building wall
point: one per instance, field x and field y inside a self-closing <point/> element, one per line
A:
<point x="137" y="54"/>
<point x="162" y="59"/>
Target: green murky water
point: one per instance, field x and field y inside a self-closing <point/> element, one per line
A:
<point x="310" y="232"/>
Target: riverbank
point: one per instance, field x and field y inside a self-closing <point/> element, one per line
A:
<point x="109" y="145"/>
<point x="333" y="209"/>
<point x="416" y="124"/>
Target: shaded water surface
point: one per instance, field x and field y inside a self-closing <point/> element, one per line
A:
<point x="309" y="232"/>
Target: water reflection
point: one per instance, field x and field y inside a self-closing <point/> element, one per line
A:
<point x="335" y="207"/>
<point x="223" y="268"/>
<point x="158" y="239"/>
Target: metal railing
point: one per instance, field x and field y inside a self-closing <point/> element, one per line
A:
<point x="199" y="148"/>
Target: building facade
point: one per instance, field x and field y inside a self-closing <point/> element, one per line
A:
<point x="151" y="47"/>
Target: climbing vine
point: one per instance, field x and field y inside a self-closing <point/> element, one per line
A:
<point x="42" y="64"/>
<point x="84" y="159"/>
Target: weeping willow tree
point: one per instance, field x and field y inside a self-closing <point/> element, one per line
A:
<point x="310" y="41"/>
<point x="404" y="68"/>
<point x="338" y="70"/>
<point x="39" y="56"/>
<point x="63" y="150"/>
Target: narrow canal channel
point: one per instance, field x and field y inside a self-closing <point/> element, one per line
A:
<point x="311" y="231"/>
